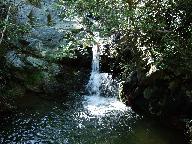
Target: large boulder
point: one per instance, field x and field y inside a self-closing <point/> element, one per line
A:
<point x="160" y="94"/>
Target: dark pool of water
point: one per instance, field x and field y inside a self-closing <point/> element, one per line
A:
<point x="82" y="120"/>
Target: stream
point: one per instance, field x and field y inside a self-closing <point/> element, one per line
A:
<point x="97" y="117"/>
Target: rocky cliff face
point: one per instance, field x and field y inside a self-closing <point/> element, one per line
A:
<point x="46" y="30"/>
<point x="33" y="60"/>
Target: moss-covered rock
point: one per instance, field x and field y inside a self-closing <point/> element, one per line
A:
<point x="34" y="81"/>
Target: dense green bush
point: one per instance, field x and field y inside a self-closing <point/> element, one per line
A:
<point x="146" y="32"/>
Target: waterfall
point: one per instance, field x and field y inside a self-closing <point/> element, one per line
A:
<point x="94" y="83"/>
<point x="100" y="84"/>
<point x="95" y="61"/>
<point x="102" y="89"/>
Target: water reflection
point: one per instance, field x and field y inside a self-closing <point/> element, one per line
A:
<point x="85" y="120"/>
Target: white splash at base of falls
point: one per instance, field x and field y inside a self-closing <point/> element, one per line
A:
<point x="102" y="106"/>
<point x="102" y="90"/>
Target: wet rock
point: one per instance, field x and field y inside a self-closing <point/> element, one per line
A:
<point x="36" y="46"/>
<point x="158" y="94"/>
<point x="49" y="36"/>
<point x="105" y="64"/>
<point x="24" y="11"/>
<point x="35" y="62"/>
<point x="21" y="61"/>
<point x="68" y="25"/>
<point x="39" y="16"/>
<point x="14" y="59"/>
<point x="130" y="89"/>
<point x="81" y="59"/>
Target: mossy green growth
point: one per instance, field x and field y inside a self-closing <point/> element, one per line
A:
<point x="36" y="3"/>
<point x="148" y="93"/>
<point x="34" y="81"/>
<point x="2" y="51"/>
<point x="16" y="91"/>
<point x="35" y="78"/>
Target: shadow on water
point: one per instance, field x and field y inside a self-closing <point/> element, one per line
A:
<point x="83" y="120"/>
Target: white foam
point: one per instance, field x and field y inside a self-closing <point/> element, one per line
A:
<point x="101" y="106"/>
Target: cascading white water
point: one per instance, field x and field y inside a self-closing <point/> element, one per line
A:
<point x="101" y="89"/>
<point x="95" y="62"/>
<point x="100" y="83"/>
<point x="94" y="81"/>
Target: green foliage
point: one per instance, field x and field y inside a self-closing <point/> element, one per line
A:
<point x="66" y="51"/>
<point x="34" y="78"/>
<point x="76" y="44"/>
<point x="108" y="13"/>
<point x="36" y="3"/>
<point x="156" y="30"/>
<point x="13" y="31"/>
<point x="143" y="30"/>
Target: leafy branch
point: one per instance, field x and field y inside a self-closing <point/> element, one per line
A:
<point x="5" y="26"/>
